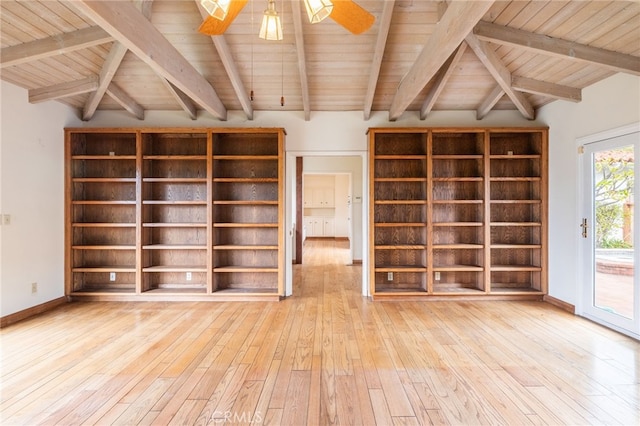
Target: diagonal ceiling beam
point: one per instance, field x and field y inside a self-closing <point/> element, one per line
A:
<point x="615" y="61"/>
<point x="543" y="88"/>
<point x="109" y="68"/>
<point x="457" y="22"/>
<point x="378" y="53"/>
<point x="230" y="67"/>
<point x="63" y="90"/>
<point x="490" y="101"/>
<point x="183" y="100"/>
<point x="126" y="101"/>
<point x="501" y="74"/>
<point x="441" y="81"/>
<point x="302" y="61"/>
<point x="127" y="25"/>
<point x="52" y="46"/>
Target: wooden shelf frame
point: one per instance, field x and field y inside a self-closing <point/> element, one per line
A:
<point x="165" y="225"/>
<point x="473" y="176"/>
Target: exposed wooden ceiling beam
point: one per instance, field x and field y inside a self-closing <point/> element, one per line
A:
<point x="63" y="90"/>
<point x="109" y="68"/>
<point x="52" y="46"/>
<point x="230" y="67"/>
<point x="615" y="61"/>
<point x="302" y="61"/>
<point x="441" y="80"/>
<point x="543" y="88"/>
<point x="183" y="100"/>
<point x="126" y="101"/>
<point x="381" y="42"/>
<point x="127" y="25"/>
<point x="490" y="101"/>
<point x="457" y="22"/>
<point x="501" y="74"/>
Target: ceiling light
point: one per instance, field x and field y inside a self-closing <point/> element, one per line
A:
<point x="271" y="28"/>
<point x="318" y="9"/>
<point x="216" y="8"/>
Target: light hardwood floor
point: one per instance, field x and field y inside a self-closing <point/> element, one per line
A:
<point x="323" y="356"/>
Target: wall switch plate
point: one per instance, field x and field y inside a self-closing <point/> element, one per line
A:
<point x="112" y="276"/>
<point x="34" y="288"/>
<point x="6" y="219"/>
<point x="188" y="276"/>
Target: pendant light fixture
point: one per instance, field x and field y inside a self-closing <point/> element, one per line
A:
<point x="317" y="10"/>
<point x="271" y="28"/>
<point x="216" y="8"/>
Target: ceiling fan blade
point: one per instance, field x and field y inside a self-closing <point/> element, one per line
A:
<point x="351" y="16"/>
<point x="212" y="26"/>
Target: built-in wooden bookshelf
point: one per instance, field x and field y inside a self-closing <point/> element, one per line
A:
<point x="175" y="213"/>
<point x="458" y="212"/>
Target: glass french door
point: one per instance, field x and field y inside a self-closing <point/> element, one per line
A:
<point x="610" y="229"/>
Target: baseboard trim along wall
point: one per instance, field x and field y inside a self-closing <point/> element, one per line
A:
<point x="29" y="312"/>
<point x="559" y="304"/>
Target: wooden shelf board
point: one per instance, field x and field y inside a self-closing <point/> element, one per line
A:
<point x="174" y="247"/>
<point x="246" y="202"/>
<point x="245" y="269"/>
<point x="103" y="268"/>
<point x="455" y="288"/>
<point x="400" y="179"/>
<point x="181" y="268"/>
<point x="457" y="156"/>
<point x="174" y="180"/>
<point x="104" y="247"/>
<point x="516" y="246"/>
<point x="514" y="156"/>
<point x="247" y="290"/>
<point x="245" y="180"/>
<point x="245" y="225"/>
<point x="174" y="225"/>
<point x="515" y="224"/>
<point x="457" y="246"/>
<point x="400" y="157"/>
<point x="104" y="180"/>
<point x="245" y="247"/>
<point x="103" y="157"/>
<point x="457" y="179"/>
<point x="401" y="247"/>
<point x="450" y="224"/>
<point x="515" y="179"/>
<point x="102" y="225"/>
<point x="400" y="268"/>
<point x="175" y="203"/>
<point x="400" y="224"/>
<point x="514" y="290"/>
<point x="174" y="157"/>
<point x="458" y="201"/>
<point x="457" y="268"/>
<point x="400" y="202"/>
<point x="409" y="291"/>
<point x="96" y="290"/>
<point x="515" y="268"/>
<point x="516" y="201"/>
<point x="178" y="289"/>
<point x="245" y="157"/>
<point x="102" y="203"/>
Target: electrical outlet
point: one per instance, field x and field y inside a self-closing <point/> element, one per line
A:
<point x="188" y="276"/>
<point x="6" y="219"/>
<point x="112" y="276"/>
<point x="437" y="276"/>
<point x="389" y="276"/>
<point x="34" y="288"/>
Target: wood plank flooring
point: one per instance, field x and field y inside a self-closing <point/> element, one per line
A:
<point x="324" y="356"/>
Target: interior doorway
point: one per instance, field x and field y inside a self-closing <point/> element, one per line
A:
<point x="347" y="171"/>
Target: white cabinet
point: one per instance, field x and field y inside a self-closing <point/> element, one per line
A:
<point x="319" y="197"/>
<point x="319" y="226"/>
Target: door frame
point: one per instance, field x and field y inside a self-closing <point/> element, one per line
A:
<point x="290" y="207"/>
<point x="582" y="249"/>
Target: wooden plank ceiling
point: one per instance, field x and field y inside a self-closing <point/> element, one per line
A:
<point x="419" y="56"/>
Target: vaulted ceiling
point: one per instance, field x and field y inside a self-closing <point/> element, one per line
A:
<point x="419" y="56"/>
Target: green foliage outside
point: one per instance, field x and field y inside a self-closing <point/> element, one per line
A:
<point x="614" y="187"/>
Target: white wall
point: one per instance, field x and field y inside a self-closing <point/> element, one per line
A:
<point x="32" y="186"/>
<point x="609" y="104"/>
<point x="32" y="193"/>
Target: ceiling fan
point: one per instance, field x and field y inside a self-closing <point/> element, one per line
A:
<point x="345" y="12"/>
